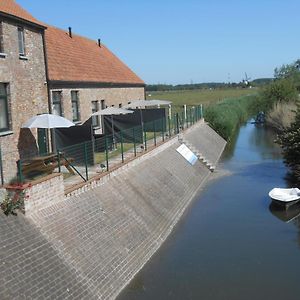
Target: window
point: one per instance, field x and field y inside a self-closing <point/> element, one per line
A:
<point x="56" y="103"/>
<point x="75" y="106"/>
<point x="4" y="121"/>
<point x="103" y="104"/>
<point x="120" y="105"/>
<point x="21" y="41"/>
<point x="95" y="119"/>
<point x="1" y="38"/>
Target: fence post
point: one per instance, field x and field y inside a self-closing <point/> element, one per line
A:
<point x="1" y="168"/>
<point x="201" y="111"/>
<point x="163" y="129"/>
<point x="169" y="125"/>
<point x="86" y="160"/>
<point x="177" y="123"/>
<point x="134" y="143"/>
<point x="122" y="148"/>
<point x="183" y="120"/>
<point x="106" y="153"/>
<point x="154" y="133"/>
<point x="187" y="119"/>
<point x="145" y="139"/>
<point x="58" y="160"/>
<point x="20" y="173"/>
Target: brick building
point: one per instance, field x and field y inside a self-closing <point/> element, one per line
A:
<point x="23" y="92"/>
<point x="84" y="76"/>
<point x="46" y="69"/>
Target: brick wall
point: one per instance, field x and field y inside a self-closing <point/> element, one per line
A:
<point x="44" y="193"/>
<point x="112" y="96"/>
<point x="27" y="92"/>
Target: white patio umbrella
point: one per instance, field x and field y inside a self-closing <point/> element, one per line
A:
<point x="48" y="121"/>
<point x="111" y="111"/>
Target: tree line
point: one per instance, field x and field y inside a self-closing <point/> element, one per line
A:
<point x="206" y="85"/>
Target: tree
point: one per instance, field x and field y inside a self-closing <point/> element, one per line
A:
<point x="289" y="71"/>
<point x="289" y="141"/>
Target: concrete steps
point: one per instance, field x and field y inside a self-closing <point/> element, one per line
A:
<point x="200" y="156"/>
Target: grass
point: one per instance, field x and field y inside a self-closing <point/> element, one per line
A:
<point x="100" y="157"/>
<point x="282" y="115"/>
<point x="228" y="114"/>
<point x="196" y="97"/>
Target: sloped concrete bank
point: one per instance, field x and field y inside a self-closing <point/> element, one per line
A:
<point x="90" y="245"/>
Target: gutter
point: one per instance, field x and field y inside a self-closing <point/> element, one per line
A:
<point x="23" y="21"/>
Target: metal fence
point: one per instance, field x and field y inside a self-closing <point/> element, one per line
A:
<point x="83" y="161"/>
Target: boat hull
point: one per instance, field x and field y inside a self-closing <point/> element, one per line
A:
<point x="285" y="197"/>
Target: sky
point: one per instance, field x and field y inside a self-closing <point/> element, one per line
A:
<point x="187" y="41"/>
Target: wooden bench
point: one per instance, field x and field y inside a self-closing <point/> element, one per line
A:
<point x="45" y="164"/>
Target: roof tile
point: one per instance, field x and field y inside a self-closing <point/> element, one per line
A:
<point x="79" y="59"/>
<point x="12" y="8"/>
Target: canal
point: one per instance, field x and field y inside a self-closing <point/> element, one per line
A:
<point x="232" y="243"/>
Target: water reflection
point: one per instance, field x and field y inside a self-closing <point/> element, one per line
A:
<point x="285" y="215"/>
<point x="252" y="144"/>
<point x="230" y="244"/>
<point x="263" y="138"/>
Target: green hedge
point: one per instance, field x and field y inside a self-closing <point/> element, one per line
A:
<point x="227" y="115"/>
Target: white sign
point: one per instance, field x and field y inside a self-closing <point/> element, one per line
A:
<point x="187" y="154"/>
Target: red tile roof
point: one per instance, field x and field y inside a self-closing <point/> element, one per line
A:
<point x="10" y="7"/>
<point x="79" y="59"/>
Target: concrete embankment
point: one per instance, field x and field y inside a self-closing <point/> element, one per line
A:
<point x="90" y="245"/>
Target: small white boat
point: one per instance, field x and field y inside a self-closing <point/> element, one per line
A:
<point x="285" y="197"/>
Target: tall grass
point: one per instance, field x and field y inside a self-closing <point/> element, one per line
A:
<point x="281" y="116"/>
<point x="227" y="115"/>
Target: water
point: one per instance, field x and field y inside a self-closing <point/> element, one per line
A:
<point x="231" y="244"/>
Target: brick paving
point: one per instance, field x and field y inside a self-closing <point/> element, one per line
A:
<point x="91" y="245"/>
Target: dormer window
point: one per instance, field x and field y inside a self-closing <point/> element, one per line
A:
<point x="21" y="41"/>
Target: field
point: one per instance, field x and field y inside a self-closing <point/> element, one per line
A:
<point x="196" y="97"/>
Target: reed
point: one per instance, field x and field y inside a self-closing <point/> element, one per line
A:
<point x="227" y="115"/>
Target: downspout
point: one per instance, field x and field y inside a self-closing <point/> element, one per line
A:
<point x="48" y="88"/>
<point x="47" y="73"/>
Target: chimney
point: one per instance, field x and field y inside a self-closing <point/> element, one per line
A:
<point x="99" y="43"/>
<point x="70" y="32"/>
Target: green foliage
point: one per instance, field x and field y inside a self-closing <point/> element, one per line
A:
<point x="289" y="141"/>
<point x="279" y="91"/>
<point x="13" y="200"/>
<point x="291" y="72"/>
<point x="283" y="89"/>
<point x="227" y="115"/>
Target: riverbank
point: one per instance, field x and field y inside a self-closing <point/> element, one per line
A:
<point x="93" y="243"/>
<point x="230" y="240"/>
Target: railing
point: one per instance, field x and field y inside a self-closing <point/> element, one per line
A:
<point x="83" y="161"/>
